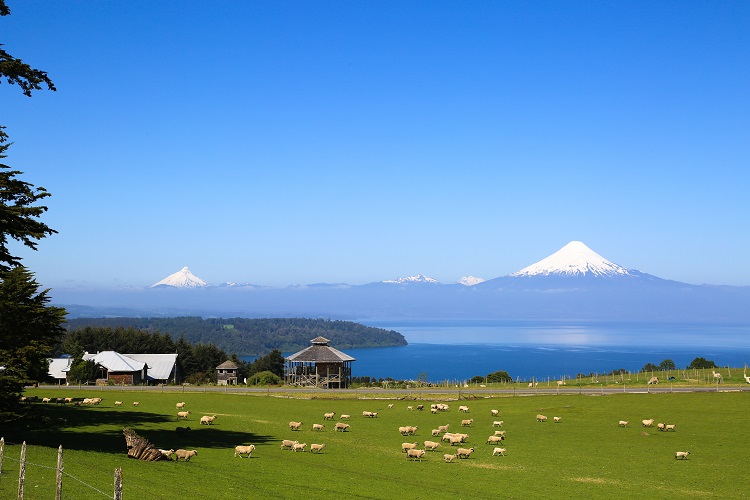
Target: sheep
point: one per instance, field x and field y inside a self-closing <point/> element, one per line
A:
<point x="180" y="406"/>
<point x="403" y="430"/>
<point x="499" y="451"/>
<point x="669" y="427"/>
<point x="467" y="423"/>
<point x="414" y="454"/>
<point x="449" y="458"/>
<point x="295" y="425"/>
<point x="298" y="446"/>
<point x="167" y="454"/>
<point x="443" y="428"/>
<point x="420" y="407"/>
<point x="184" y="414"/>
<point x="240" y="450"/>
<point x="70" y="400"/>
<point x="46" y="400"/>
<point x="410" y="408"/>
<point x="329" y="416"/>
<point x="317" y="447"/>
<point x="446" y="436"/>
<point x="431" y="445"/>
<point x="648" y="423"/>
<point x="370" y="414"/>
<point x="182" y="430"/>
<point x="717" y="376"/>
<point x="287" y="444"/>
<point x="454" y="440"/>
<point x="435" y="432"/>
<point x="318" y="427"/>
<point x="408" y="446"/>
<point x="500" y="433"/>
<point x="464" y="409"/>
<point x="435" y="410"/>
<point x="661" y="426"/>
<point x="557" y="420"/>
<point x="464" y="452"/>
<point x="135" y="403"/>
<point x="345" y="417"/>
<point x="541" y="418"/>
<point x="653" y="380"/>
<point x="390" y="406"/>
<point x="495" y="439"/>
<point x="497" y="423"/>
<point x="118" y="403"/>
<point x="208" y="420"/>
<point x="747" y="379"/>
<point x="560" y="382"/>
<point x="681" y="454"/>
<point x="494" y="413"/>
<point x="340" y="426"/>
<point x="623" y="423"/>
<point x="185" y="454"/>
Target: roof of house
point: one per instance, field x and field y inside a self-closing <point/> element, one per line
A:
<point x="227" y="365"/>
<point x="58" y="367"/>
<point x="160" y="366"/>
<point x="321" y="354"/>
<point x="115" y="362"/>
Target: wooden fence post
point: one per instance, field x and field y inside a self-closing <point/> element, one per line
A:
<point x="118" y="483"/>
<point x="58" y="490"/>
<point x="22" y="471"/>
<point x="2" y="446"/>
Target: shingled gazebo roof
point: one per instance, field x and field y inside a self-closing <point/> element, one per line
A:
<point x="320" y="352"/>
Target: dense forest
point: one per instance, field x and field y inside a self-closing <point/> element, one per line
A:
<point x="252" y="337"/>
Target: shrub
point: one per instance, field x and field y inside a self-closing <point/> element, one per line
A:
<point x="264" y="378"/>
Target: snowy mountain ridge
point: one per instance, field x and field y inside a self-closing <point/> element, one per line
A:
<point x="181" y="279"/>
<point x="575" y="259"/>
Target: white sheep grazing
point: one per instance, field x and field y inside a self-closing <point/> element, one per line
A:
<point x="494" y="413"/>
<point x="499" y="451"/>
<point x="681" y="454"/>
<point x="648" y="423"/>
<point x="560" y="382"/>
<point x="46" y="400"/>
<point x="464" y="409"/>
<point x="118" y="403"/>
<point x="653" y="380"/>
<point x="464" y="452"/>
<point x="185" y="454"/>
<point x="435" y="432"/>
<point x="623" y="423"/>
<point x="500" y="433"/>
<point x="435" y="410"/>
<point x="329" y="416"/>
<point x="431" y="445"/>
<point x="295" y="425"/>
<point x="316" y="447"/>
<point x="661" y="426"/>
<point x="447" y="436"/>
<point x="318" y="427"/>
<point x="208" y="420"/>
<point x="467" y="423"/>
<point x="345" y="417"/>
<point x="449" y="458"/>
<point x="557" y="420"/>
<point x="408" y="446"/>
<point x="183" y="414"/>
<point x="180" y="406"/>
<point x="370" y="414"/>
<point x="410" y="408"/>
<point x="298" y="446"/>
<point x="454" y="439"/>
<point x="541" y="418"/>
<point x="287" y="444"/>
<point x="166" y="454"/>
<point x="135" y="403"/>
<point x="443" y="428"/>
<point x="420" y="407"/>
<point x="414" y="454"/>
<point x="243" y="450"/>
<point x="495" y="439"/>
<point x="390" y="406"/>
<point x="497" y="423"/>
<point x="340" y="426"/>
<point x="669" y="427"/>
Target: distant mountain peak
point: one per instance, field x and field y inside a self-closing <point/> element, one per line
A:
<point x="470" y="281"/>
<point x="419" y="278"/>
<point x="181" y="279"/>
<point x="574" y="259"/>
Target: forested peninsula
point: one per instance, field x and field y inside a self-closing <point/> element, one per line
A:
<point x="254" y="336"/>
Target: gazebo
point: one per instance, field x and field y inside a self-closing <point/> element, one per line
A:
<point x="319" y="365"/>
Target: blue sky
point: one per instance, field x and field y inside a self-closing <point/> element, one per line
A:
<point x="279" y="142"/>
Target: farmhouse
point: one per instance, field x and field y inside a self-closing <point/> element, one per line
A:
<point x="58" y="369"/>
<point x="118" y="368"/>
<point x="162" y="368"/>
<point x="126" y="368"/>
<point x="226" y="373"/>
<point x="319" y="365"/>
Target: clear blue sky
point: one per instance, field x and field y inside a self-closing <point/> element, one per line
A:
<point x="279" y="142"/>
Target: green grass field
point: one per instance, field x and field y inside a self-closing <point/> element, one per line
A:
<point x="585" y="455"/>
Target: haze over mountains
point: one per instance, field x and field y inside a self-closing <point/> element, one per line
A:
<point x="573" y="284"/>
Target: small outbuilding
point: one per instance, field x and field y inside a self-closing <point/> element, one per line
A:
<point x="227" y="373"/>
<point x="319" y="365"/>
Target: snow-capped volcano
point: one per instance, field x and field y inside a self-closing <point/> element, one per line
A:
<point x="575" y="259"/>
<point x="470" y="281"/>
<point x="419" y="278"/>
<point x="181" y="279"/>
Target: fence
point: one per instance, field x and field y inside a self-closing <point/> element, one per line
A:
<point x="23" y="463"/>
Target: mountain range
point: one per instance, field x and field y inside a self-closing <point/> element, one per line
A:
<point x="573" y="284"/>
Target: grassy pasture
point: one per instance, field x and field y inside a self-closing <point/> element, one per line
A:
<point x="586" y="454"/>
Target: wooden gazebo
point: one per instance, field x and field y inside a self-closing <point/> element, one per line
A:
<point x="319" y="365"/>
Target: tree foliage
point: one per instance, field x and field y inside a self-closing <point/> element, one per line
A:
<point x="702" y="363"/>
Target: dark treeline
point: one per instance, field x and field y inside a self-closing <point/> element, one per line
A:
<point x="198" y="361"/>
<point x="252" y="337"/>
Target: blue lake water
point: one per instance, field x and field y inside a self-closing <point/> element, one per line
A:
<point x="460" y="350"/>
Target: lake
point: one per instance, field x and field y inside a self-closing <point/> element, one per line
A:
<point x="460" y="350"/>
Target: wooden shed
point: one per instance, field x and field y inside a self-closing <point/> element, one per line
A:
<point x="319" y="365"/>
